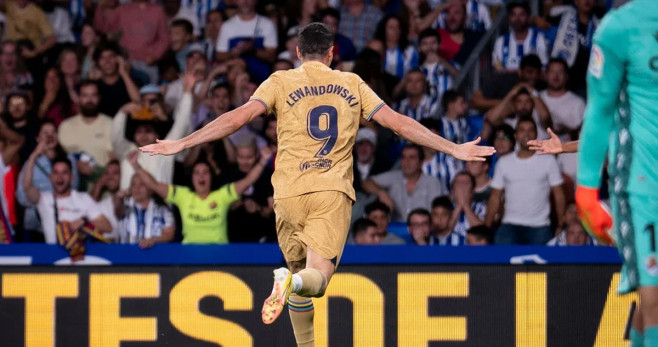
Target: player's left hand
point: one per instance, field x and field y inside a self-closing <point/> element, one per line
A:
<point x="163" y="147"/>
<point x="470" y="151"/>
<point x="595" y="217"/>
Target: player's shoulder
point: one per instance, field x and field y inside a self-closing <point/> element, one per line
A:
<point x="614" y="22"/>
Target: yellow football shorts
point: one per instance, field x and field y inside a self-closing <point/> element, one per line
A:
<point x="319" y="220"/>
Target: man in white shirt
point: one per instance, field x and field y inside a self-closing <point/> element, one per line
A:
<point x="62" y="204"/>
<point x="522" y="40"/>
<point x="522" y="101"/>
<point x="567" y="109"/>
<point x="249" y="36"/>
<point x="90" y="130"/>
<point x="527" y="181"/>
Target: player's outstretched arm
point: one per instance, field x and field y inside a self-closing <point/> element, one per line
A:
<point x="605" y="78"/>
<point x="553" y="145"/>
<point x="416" y="133"/>
<point x="222" y="126"/>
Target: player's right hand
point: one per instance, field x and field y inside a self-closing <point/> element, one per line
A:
<point x="550" y="146"/>
<point x="470" y="151"/>
<point x="163" y="147"/>
<point x="595" y="217"/>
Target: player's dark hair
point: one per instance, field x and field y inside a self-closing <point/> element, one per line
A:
<point x="361" y="225"/>
<point x="443" y="202"/>
<point x="482" y="232"/>
<point x="184" y="24"/>
<point x="62" y="159"/>
<point x="315" y="39"/>
<point x="527" y="119"/>
<point x="377" y="206"/>
<point x="331" y="12"/>
<point x="558" y="61"/>
<point x="420" y="211"/>
<point x="449" y="97"/>
<point x="421" y="153"/>
<point x="530" y="60"/>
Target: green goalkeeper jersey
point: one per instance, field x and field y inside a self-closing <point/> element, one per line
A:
<point x="622" y="108"/>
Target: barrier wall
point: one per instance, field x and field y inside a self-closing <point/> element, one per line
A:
<point x="417" y="303"/>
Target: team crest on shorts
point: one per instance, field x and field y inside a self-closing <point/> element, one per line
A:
<point x="651" y="265"/>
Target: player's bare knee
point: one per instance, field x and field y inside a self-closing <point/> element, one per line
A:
<point x="649" y="299"/>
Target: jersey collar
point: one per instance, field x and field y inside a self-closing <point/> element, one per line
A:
<point x="316" y="65"/>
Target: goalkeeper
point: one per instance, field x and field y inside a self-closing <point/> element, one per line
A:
<point x="621" y="119"/>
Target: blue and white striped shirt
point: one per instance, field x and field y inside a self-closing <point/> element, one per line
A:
<point x="427" y="108"/>
<point x="478" y="17"/>
<point x="453" y="239"/>
<point x="201" y="8"/>
<point x="480" y="210"/>
<point x="508" y="52"/>
<point x="398" y="62"/>
<point x="444" y="167"/>
<point x="455" y="130"/>
<point x="438" y="79"/>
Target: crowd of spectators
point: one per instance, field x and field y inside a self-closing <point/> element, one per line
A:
<point x="83" y="84"/>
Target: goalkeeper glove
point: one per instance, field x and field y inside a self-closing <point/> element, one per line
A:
<point x="595" y="216"/>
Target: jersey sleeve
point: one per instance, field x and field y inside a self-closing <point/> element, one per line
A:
<point x="228" y="195"/>
<point x="370" y="102"/>
<point x="266" y="93"/>
<point x="177" y="194"/>
<point x="604" y="79"/>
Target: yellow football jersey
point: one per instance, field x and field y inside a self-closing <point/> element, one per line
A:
<point x="317" y="112"/>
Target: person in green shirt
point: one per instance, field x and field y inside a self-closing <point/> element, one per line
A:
<point x="203" y="211"/>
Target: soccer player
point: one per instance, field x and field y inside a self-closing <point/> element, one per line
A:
<point x="620" y="119"/>
<point x="318" y="112"/>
